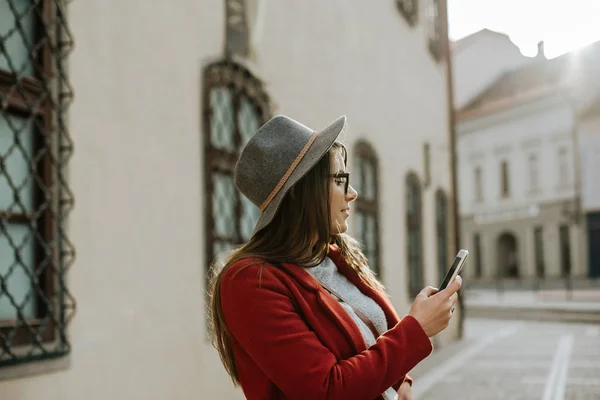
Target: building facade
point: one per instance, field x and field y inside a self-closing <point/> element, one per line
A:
<point x="480" y="59"/>
<point x="520" y="165"/>
<point x="114" y="202"/>
<point x="589" y="140"/>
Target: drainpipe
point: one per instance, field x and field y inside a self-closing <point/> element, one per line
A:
<point x="452" y="131"/>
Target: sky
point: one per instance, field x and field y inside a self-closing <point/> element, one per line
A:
<point x="563" y="25"/>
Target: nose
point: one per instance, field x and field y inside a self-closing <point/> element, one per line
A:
<point x="352" y="194"/>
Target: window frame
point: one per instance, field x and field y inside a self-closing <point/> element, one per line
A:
<point x="365" y="153"/>
<point x="534" y="173"/>
<point x="504" y="180"/>
<point x="243" y="83"/>
<point x="478" y="273"/>
<point x="478" y="184"/>
<point x="441" y="229"/>
<point x="42" y="98"/>
<point x="414" y="221"/>
<point x="563" y="167"/>
<point x="426" y="164"/>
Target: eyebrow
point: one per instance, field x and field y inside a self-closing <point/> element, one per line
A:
<point x="341" y="171"/>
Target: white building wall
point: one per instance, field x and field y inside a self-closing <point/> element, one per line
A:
<point x="136" y="174"/>
<point x="541" y="129"/>
<point x="589" y="139"/>
<point x="139" y="332"/>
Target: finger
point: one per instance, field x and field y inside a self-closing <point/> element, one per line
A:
<point x="452" y="300"/>
<point x="428" y="291"/>
<point x="453" y="287"/>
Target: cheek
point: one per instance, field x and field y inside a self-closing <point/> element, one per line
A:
<point x="337" y="199"/>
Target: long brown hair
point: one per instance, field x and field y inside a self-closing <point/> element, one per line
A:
<point x="290" y="238"/>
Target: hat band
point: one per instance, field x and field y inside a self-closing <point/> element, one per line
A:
<point x="291" y="169"/>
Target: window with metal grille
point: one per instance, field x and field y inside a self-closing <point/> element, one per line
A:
<point x="441" y="212"/>
<point x="409" y="10"/>
<point x="434" y="29"/>
<point x="414" y="234"/>
<point x="367" y="203"/>
<point x="235" y="106"/>
<point x="35" y="253"/>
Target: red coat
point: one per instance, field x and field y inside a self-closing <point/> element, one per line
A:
<point x="292" y="340"/>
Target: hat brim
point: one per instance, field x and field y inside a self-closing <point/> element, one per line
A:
<point x="323" y="142"/>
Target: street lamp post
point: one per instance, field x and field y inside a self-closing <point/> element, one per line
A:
<point x="572" y="209"/>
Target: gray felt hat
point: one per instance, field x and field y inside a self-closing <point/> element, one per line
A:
<point x="280" y="153"/>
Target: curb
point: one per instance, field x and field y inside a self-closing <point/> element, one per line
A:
<point x="549" y="314"/>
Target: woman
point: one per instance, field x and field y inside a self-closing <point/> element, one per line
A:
<point x="296" y="311"/>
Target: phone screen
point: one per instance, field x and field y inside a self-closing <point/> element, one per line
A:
<point x="454" y="269"/>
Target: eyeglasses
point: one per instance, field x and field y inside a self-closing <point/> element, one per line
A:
<point x="345" y="177"/>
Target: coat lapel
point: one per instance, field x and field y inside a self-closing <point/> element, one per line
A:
<point x="331" y="306"/>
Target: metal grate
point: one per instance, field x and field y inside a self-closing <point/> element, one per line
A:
<point x="35" y="253"/>
<point x="236" y="106"/>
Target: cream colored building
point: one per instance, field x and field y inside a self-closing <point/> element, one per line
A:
<point x="528" y="156"/>
<point x="165" y="95"/>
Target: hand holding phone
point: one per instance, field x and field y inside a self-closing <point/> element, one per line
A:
<point x="433" y="309"/>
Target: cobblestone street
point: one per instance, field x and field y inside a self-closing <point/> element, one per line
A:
<point x="514" y="360"/>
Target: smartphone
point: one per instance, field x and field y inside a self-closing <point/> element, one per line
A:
<point x="455" y="269"/>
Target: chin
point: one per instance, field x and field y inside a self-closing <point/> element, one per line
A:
<point x="339" y="228"/>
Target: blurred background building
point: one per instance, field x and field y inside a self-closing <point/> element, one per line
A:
<point x="134" y="174"/>
<point x="528" y="143"/>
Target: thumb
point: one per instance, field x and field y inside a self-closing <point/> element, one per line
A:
<point x="427" y="291"/>
<point x="453" y="287"/>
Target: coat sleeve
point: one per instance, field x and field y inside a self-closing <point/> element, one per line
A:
<point x="259" y="313"/>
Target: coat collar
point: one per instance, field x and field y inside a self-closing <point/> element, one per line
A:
<point x="331" y="305"/>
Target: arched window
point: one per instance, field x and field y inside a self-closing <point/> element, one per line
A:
<point x="235" y="106"/>
<point x="414" y="234"/>
<point x="441" y="213"/>
<point x="367" y="203"/>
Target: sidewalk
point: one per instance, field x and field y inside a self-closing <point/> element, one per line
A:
<point x="580" y="305"/>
